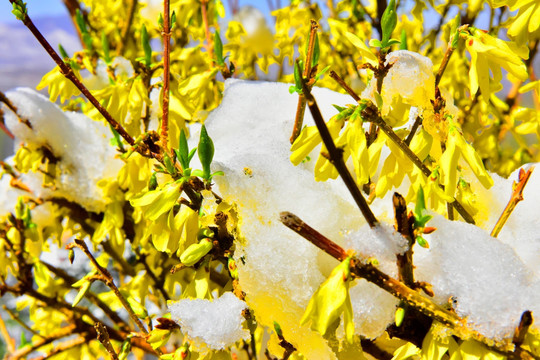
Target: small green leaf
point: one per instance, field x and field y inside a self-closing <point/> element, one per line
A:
<point x="105" y="47"/>
<point x="455" y="31"/>
<point x="152" y="183"/>
<point x="183" y="150"/>
<point x="160" y="21"/>
<point x="116" y="140"/>
<point x="173" y="19"/>
<point x="82" y="291"/>
<point x="375" y="43"/>
<point x="298" y="77"/>
<point x="316" y="52"/>
<point x="422" y="242"/>
<point x="321" y="73"/>
<point x="218" y="49"/>
<point x="388" y="22"/>
<point x="206" y="152"/>
<point x="80" y="21"/>
<point x="145" y="42"/>
<point x="24" y="341"/>
<point x="403" y="42"/>
<point x="400" y="314"/>
<point x="391" y="42"/>
<point x="125" y="350"/>
<point x="420" y="212"/>
<point x="278" y="330"/>
<point x="169" y="165"/>
<point x="63" y="52"/>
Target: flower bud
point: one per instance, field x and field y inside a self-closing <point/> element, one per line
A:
<point x="195" y="252"/>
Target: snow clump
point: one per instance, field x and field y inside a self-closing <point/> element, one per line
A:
<point x="493" y="281"/>
<point x="211" y="325"/>
<point x="81" y="145"/>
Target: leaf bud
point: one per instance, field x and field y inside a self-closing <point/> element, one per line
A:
<point x="206" y="152"/>
<point x="400" y="314"/>
<point x="195" y="252"/>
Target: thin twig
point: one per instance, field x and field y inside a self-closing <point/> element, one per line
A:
<point x="22" y="323"/>
<point x="127" y="26"/>
<point x="109" y="281"/>
<point x="344" y="85"/>
<point x="66" y="345"/>
<point x="103" y="338"/>
<point x="204" y="11"/>
<point x="166" y="32"/>
<point x="404" y="227"/>
<point x="444" y="63"/>
<point x="55" y="335"/>
<point x="10" y="342"/>
<point x="68" y="73"/>
<point x="307" y="74"/>
<point x="517" y="196"/>
<point x="336" y="157"/>
<point x="414" y="128"/>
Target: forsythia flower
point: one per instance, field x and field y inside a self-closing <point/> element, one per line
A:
<point x="330" y="300"/>
<point x="490" y="53"/>
<point x="59" y="85"/>
<point x="456" y="146"/>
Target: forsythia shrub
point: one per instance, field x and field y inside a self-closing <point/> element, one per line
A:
<point x="131" y="227"/>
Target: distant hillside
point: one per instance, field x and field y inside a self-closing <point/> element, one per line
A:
<point x="22" y="59"/>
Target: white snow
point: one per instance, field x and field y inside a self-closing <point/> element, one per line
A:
<point x="209" y="324"/>
<point x="81" y="145"/>
<point x="492" y="282"/>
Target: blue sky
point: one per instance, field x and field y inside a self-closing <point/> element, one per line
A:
<point x="38" y="8"/>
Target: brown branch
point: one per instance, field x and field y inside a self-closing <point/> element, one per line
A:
<point x="8" y="340"/>
<point x="344" y="85"/>
<point x="66" y="345"/>
<point x="404" y="226"/>
<point x="444" y="63"/>
<point x="55" y="335"/>
<point x="103" y="338"/>
<point x="109" y="281"/>
<point x="93" y="298"/>
<point x="9" y="104"/>
<point x="127" y="26"/>
<point x="294" y="223"/>
<point x="204" y="9"/>
<point x="401" y="291"/>
<point x="69" y="74"/>
<point x="517" y="196"/>
<point x="336" y="157"/>
<point x="307" y="74"/>
<point x="369" y="347"/>
<point x="72" y="6"/>
<point x="166" y="32"/>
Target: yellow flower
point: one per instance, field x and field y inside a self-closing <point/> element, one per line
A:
<point x="490" y="53"/>
<point x="59" y="85"/>
<point x="330" y="300"/>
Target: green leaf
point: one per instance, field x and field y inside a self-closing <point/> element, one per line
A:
<point x="321" y="73"/>
<point x="105" y="47"/>
<point x="160" y="21"/>
<point x="173" y="19"/>
<point x="206" y="152"/>
<point x="375" y="43"/>
<point x="391" y="42"/>
<point x="403" y="42"/>
<point x="169" y="165"/>
<point x="80" y="21"/>
<point x="218" y="49"/>
<point x="422" y="242"/>
<point x="400" y="314"/>
<point x="116" y="140"/>
<point x="388" y="22"/>
<point x="316" y="52"/>
<point x="278" y="330"/>
<point x="298" y="77"/>
<point x="152" y="183"/>
<point x="145" y="42"/>
<point x="82" y="291"/>
<point x="420" y="212"/>
<point x="183" y="149"/>
<point x="455" y="31"/>
<point x="24" y="341"/>
<point x="63" y="52"/>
